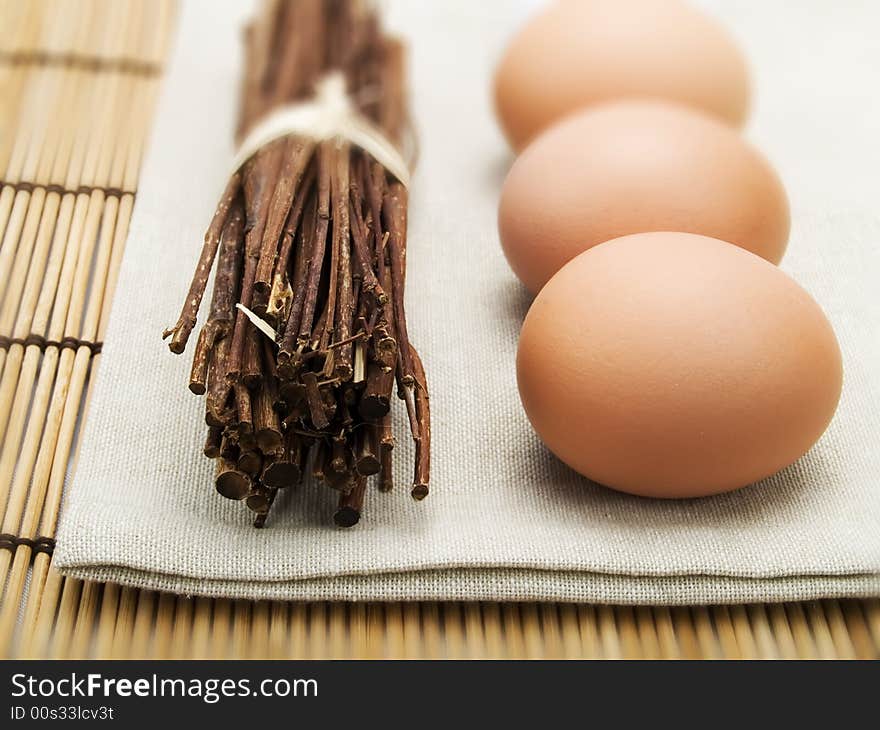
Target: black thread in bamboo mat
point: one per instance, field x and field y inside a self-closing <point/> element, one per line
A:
<point x="36" y="544"/>
<point x="86" y="619"/>
<point x="29" y="187"/>
<point x="81" y="62"/>
<point x="35" y="340"/>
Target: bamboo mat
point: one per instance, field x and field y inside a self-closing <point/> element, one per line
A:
<point x="78" y="81"/>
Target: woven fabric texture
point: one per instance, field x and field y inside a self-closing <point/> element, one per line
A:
<point x="505" y="520"/>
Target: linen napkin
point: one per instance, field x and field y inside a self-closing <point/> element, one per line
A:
<point x="505" y="519"/>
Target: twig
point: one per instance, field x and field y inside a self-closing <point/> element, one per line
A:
<point x="181" y="331"/>
<point x="422" y="472"/>
<point x="348" y="514"/>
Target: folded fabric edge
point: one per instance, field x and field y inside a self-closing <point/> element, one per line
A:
<point x="70" y="557"/>
<point x="69" y="561"/>
<point x="504" y="585"/>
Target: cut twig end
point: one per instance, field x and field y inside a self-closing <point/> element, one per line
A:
<point x="346" y="517"/>
<point x="178" y="338"/>
<point x="233" y="484"/>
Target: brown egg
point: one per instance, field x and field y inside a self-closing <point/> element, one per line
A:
<point x="634" y="167"/>
<point x="581" y="52"/>
<point x="675" y="365"/>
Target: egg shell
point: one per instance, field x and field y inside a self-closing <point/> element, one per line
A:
<point x="675" y="365"/>
<point x="581" y="52"/>
<point x="635" y="167"/>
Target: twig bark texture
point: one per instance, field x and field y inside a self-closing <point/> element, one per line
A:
<point x="311" y="237"/>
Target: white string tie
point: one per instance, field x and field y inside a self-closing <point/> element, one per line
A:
<point x="328" y="115"/>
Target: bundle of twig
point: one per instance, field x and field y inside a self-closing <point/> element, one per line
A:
<point x="306" y="334"/>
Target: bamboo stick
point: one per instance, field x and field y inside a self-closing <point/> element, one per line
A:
<point x="492" y="627"/>
<point x="89" y="600"/>
<point x="742" y="630"/>
<point x="220" y="629"/>
<point x="608" y="635"/>
<point x="820" y="630"/>
<point x="453" y="631"/>
<point x="858" y="631"/>
<point x="668" y="644"/>
<point x="550" y="631"/>
<point x="66" y="618"/>
<point x="124" y="622"/>
<point x="390" y="636"/>
<point x="107" y="621"/>
<point x="841" y="641"/>
<point x="473" y="630"/>
<point x="281" y="633"/>
<point x="648" y="638"/>
<point x="164" y="623"/>
<point x="872" y="616"/>
<point x="241" y="621"/>
<point x="201" y="629"/>
<point x="258" y="641"/>
<point x="39" y="618"/>
<point x="765" y="641"/>
<point x="143" y="625"/>
<point x="800" y="631"/>
<point x="726" y="635"/>
<point x="317" y="621"/>
<point x="568" y="632"/>
<point x="36" y="626"/>
<point x="412" y="633"/>
<point x="337" y="644"/>
<point x="369" y="632"/>
<point x="512" y="632"/>
<point x="355" y="632"/>
<point x="686" y="633"/>
<point x="433" y="637"/>
<point x="782" y="634"/>
<point x="103" y="639"/>
<point x="298" y="643"/>
<point x="709" y="645"/>
<point x="589" y="631"/>
<point x="182" y="628"/>
<point x="531" y="628"/>
<point x="627" y="632"/>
